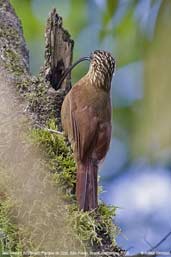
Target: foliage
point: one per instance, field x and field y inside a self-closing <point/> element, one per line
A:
<point x="77" y="6"/>
<point x="108" y="13"/>
<point x="152" y="137"/>
<point x="32" y="27"/>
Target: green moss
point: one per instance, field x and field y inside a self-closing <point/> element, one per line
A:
<point x="35" y="92"/>
<point x="8" y="32"/>
<point x="9" y="240"/>
<point x="13" y="62"/>
<point x="59" y="157"/>
<point x="37" y="95"/>
<point x="11" y="49"/>
<point x="23" y="86"/>
<point x="95" y="228"/>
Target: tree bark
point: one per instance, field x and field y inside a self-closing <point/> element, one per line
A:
<point x="38" y="210"/>
<point x="58" y="51"/>
<point x="12" y="43"/>
<point x="44" y="98"/>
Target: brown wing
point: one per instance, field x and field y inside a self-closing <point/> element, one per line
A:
<point x="80" y="124"/>
<point x="88" y="130"/>
<point x="103" y="140"/>
<point x="84" y="125"/>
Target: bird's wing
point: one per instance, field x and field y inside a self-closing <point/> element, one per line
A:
<point x="103" y="140"/>
<point x="84" y="126"/>
<point x="88" y="133"/>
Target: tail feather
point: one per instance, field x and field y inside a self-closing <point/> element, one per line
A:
<point x="86" y="186"/>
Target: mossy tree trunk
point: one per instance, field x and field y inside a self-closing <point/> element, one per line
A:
<point x="44" y="100"/>
<point x="14" y="60"/>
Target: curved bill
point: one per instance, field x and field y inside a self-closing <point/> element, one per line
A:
<point x="69" y="69"/>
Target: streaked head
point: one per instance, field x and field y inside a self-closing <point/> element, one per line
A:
<point x="103" y="62"/>
<point x="102" y="67"/>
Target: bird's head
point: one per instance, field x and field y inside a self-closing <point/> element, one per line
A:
<point x="102" y="62"/>
<point x="102" y="67"/>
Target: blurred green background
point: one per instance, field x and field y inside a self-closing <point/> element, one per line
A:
<point x="136" y="173"/>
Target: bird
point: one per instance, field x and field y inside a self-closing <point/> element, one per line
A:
<point x="86" y="121"/>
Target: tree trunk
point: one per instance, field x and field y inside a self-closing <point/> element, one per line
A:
<point x="38" y="209"/>
<point x="42" y="102"/>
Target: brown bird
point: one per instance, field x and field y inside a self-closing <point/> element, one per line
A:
<point x="86" y="120"/>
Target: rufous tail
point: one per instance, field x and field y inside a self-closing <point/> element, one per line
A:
<point x="86" y="185"/>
